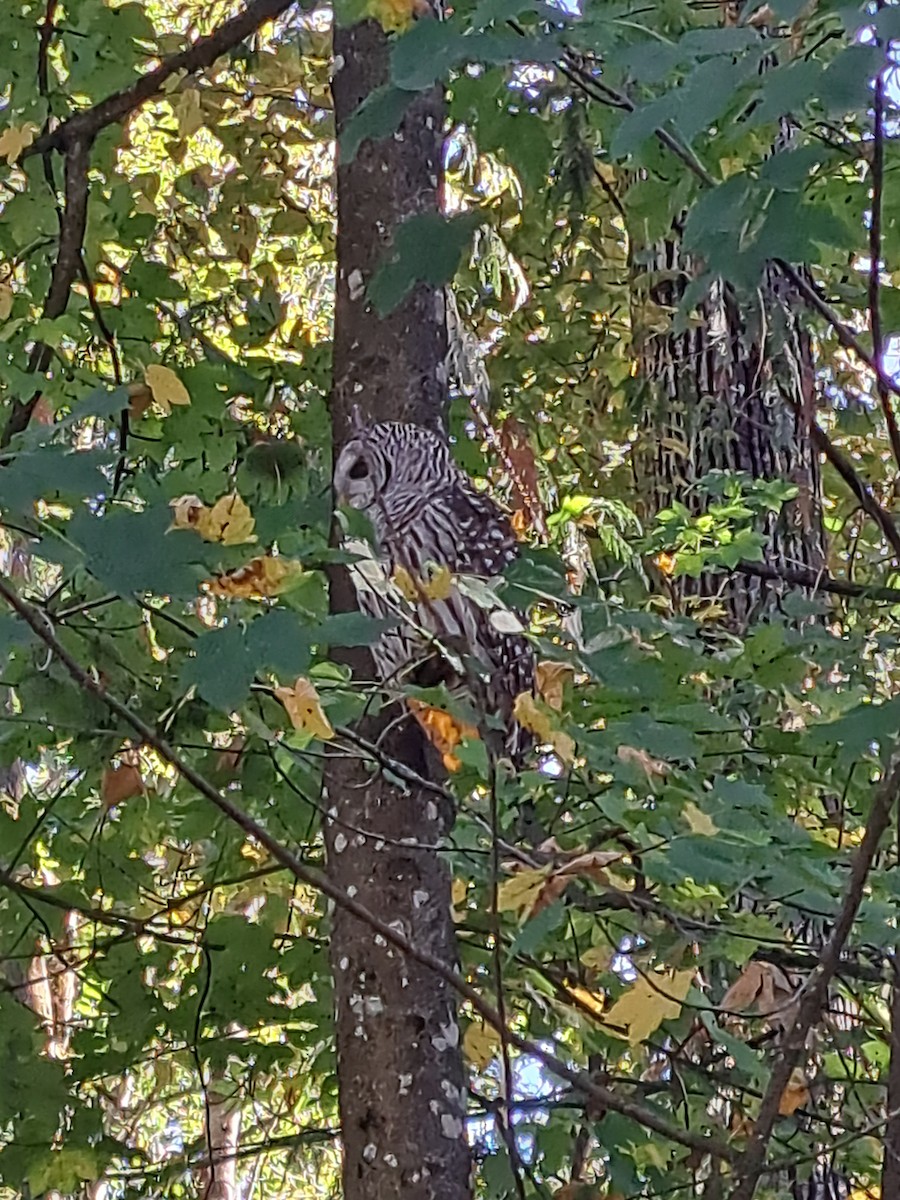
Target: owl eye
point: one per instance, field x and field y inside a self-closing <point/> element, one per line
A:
<point x="359" y="470"/>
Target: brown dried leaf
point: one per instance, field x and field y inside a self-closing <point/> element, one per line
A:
<point x="550" y="679"/>
<point x="120" y="782"/>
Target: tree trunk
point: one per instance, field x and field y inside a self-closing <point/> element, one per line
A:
<point x="400" y="1070"/>
<point x="731" y="392"/>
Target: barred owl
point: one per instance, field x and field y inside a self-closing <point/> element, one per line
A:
<point x="427" y="516"/>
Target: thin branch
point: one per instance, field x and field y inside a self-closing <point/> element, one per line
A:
<point x="818" y="581"/>
<point x="602" y="1096"/>
<point x="86" y="125"/>
<point x="844" y="467"/>
<point x="815" y="989"/>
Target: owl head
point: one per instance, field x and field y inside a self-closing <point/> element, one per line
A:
<point x="382" y="462"/>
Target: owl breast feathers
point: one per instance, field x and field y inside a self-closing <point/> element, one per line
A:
<point x="428" y="521"/>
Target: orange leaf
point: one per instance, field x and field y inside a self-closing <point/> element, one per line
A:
<point x="259" y="579"/>
<point x="795" y="1095"/>
<point x="444" y="731"/>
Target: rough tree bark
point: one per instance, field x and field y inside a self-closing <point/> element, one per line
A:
<point x="729" y="393"/>
<point x="400" y="1068"/>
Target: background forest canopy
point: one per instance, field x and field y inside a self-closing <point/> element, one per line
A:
<point x="670" y="250"/>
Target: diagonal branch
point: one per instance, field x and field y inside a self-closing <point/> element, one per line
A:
<point x="85" y="126"/>
<point x="603" y="1097"/>
<point x="815" y="990"/>
<point x="844" y="467"/>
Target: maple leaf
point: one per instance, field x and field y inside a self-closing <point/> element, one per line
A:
<point x="481" y="1044"/>
<point x="186" y="511"/>
<point x="651" y="1000"/>
<point x="305" y="709"/>
<point x="166" y="388"/>
<point x="396" y="15"/>
<point x="14" y="139"/>
<point x="229" y="521"/>
<point x="139" y="399"/>
<point x="458" y="894"/>
<point x="188" y="112"/>
<point x="522" y="890"/>
<point x="530" y="717"/>
<point x="259" y="579"/>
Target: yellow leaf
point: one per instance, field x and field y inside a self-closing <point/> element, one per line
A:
<point x="6" y="301"/>
<point x="229" y="521"/>
<point x="259" y="579"/>
<point x="593" y="1003"/>
<point x="438" y="587"/>
<point x="14" y="139"/>
<point x="522" y="890"/>
<point x="481" y="1044"/>
<point x="643" y="1008"/>
<point x="530" y="717"/>
<point x="166" y="387"/>
<point x="305" y="709"/>
<point x="395" y="15"/>
<point x="458" y="893"/>
<point x="188" y="112"/>
<point x="698" y="821"/>
<point x="795" y="1095"/>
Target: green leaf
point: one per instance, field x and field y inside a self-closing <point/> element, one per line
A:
<point x="222" y="667"/>
<point x="377" y="117"/>
<point x="132" y="552"/>
<point x="427" y="249"/>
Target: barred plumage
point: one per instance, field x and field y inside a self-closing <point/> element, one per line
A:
<point x="426" y="514"/>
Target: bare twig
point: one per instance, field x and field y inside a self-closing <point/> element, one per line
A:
<point x="815" y="989"/>
<point x="604" y="1097"/>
